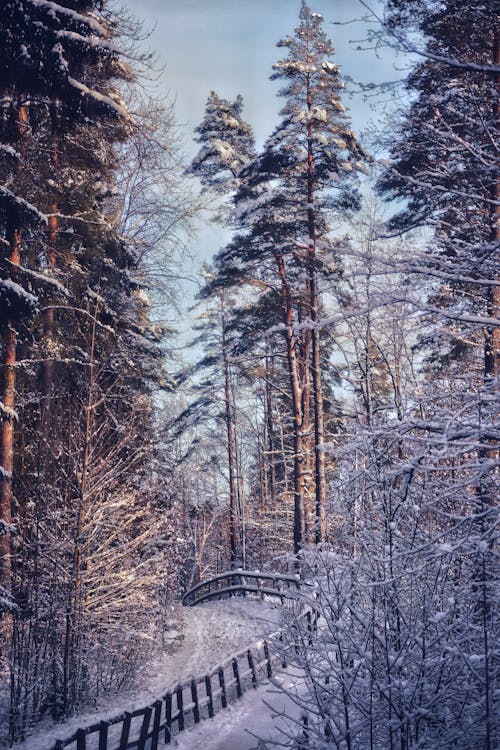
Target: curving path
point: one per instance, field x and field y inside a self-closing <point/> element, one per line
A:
<point x="217" y="637"/>
<point x="213" y="632"/>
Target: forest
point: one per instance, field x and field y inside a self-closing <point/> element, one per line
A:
<point x="336" y="414"/>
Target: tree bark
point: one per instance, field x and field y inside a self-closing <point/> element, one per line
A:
<point x="14" y="239"/>
<point x="297" y="407"/>
<point x="233" y="531"/>
<point x="317" y="387"/>
<point x="48" y="316"/>
<point x="492" y="333"/>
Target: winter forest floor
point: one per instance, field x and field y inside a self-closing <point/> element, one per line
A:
<point x="258" y="715"/>
<point x="210" y="634"/>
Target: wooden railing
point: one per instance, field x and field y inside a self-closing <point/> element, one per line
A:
<point x="186" y="704"/>
<point x="243" y="583"/>
<point x="179" y="708"/>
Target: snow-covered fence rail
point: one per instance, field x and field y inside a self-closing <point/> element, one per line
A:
<point x="243" y="583"/>
<point x="186" y="704"/>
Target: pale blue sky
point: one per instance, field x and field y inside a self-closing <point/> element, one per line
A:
<point x="230" y="46"/>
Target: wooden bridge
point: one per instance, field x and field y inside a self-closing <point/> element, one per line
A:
<point x="243" y="583"/>
<point x="202" y="697"/>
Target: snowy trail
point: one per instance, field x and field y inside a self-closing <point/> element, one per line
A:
<point x="258" y="714"/>
<point x="211" y="633"/>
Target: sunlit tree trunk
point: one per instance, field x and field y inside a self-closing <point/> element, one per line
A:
<point x="297" y="407"/>
<point x="14" y="240"/>
<point x="229" y="419"/>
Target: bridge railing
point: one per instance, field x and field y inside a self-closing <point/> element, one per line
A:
<point x="186" y="704"/>
<point x="190" y="702"/>
<point x="243" y="583"/>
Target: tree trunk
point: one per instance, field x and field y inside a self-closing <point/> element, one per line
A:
<point x="297" y="407"/>
<point x="7" y="453"/>
<point x="317" y="387"/>
<point x="14" y="239"/>
<point x="492" y="333"/>
<point x="233" y="531"/>
<point x="48" y="316"/>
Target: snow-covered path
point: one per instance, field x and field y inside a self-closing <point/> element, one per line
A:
<point x="257" y="715"/>
<point x="211" y="634"/>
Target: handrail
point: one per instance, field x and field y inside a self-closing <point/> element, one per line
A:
<point x="188" y="703"/>
<point x="234" y="589"/>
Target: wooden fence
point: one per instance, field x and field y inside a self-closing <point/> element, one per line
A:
<point x="185" y="705"/>
<point x="243" y="583"/>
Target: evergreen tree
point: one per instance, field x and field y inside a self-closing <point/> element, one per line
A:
<point x="56" y="65"/>
<point x="444" y="162"/>
<point x="321" y="152"/>
<point x="227" y="144"/>
<point x="282" y="209"/>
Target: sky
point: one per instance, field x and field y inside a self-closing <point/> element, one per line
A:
<point x="230" y="46"/>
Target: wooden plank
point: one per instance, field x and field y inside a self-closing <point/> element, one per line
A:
<point x="156" y="725"/>
<point x="180" y="708"/>
<point x="81" y="739"/>
<point x="278" y="582"/>
<point x="143" y="735"/>
<point x="103" y="735"/>
<point x="125" y="731"/>
<point x="223" y="696"/>
<point x="239" y="691"/>
<point x="194" y="698"/>
<point x="268" y="659"/>
<point x="168" y="718"/>
<point x="251" y="665"/>
<point x="208" y="690"/>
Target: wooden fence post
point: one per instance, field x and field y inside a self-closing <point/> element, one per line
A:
<point x="156" y="726"/>
<point x="236" y="673"/>
<point x="125" y="731"/>
<point x="103" y="735"/>
<point x="196" y="707"/>
<point x="180" y="708"/>
<point x="208" y="688"/>
<point x="268" y="659"/>
<point x="168" y="718"/>
<point x="222" y="683"/>
<point x="81" y="739"/>
<point x="251" y="665"/>
<point x="143" y="736"/>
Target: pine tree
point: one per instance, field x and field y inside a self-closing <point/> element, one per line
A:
<point x="321" y="153"/>
<point x="444" y="163"/>
<point x="55" y="66"/>
<point x="227" y="144"/>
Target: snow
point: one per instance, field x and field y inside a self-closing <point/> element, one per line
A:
<point x="212" y="634"/>
<point x="7" y="414"/>
<point x="16" y="290"/>
<point x="120" y="109"/>
<point x="9" y="151"/>
<point x="257" y="715"/>
<point x="31" y="210"/>
<point x="44" y="277"/>
<point x="55" y="8"/>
